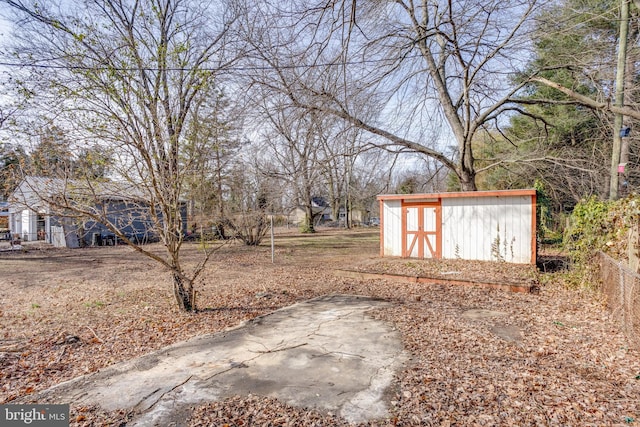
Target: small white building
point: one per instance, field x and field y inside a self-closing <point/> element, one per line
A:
<point x="29" y="215"/>
<point x="478" y="225"/>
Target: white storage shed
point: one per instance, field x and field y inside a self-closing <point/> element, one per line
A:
<point x="479" y="225"/>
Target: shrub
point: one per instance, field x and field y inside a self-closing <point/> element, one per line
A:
<point x="596" y="225"/>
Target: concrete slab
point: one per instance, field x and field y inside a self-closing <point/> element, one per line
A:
<point x="481" y="313"/>
<point x="326" y="353"/>
<point x="507" y="332"/>
<point x="503" y="330"/>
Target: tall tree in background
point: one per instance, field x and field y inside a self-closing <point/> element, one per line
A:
<point x="252" y="198"/>
<point x="12" y="158"/>
<point x="592" y="27"/>
<point x="564" y="145"/>
<point x="339" y="149"/>
<point x="419" y="64"/>
<point x="559" y="141"/>
<point x="127" y="73"/>
<point x="294" y="142"/>
<point x="94" y="162"/>
<point x="52" y="155"/>
<point x="212" y="145"/>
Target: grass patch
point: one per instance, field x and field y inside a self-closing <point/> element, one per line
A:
<point x="94" y="304"/>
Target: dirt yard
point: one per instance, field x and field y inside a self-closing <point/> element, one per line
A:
<point x="477" y="356"/>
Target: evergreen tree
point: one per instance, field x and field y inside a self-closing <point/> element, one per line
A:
<point x="564" y="145"/>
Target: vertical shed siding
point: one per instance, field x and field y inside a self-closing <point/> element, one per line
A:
<point x="392" y="225"/>
<point x="487" y="228"/>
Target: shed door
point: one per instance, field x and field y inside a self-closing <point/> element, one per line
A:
<point x="422" y="230"/>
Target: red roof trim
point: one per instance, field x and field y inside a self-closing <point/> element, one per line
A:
<point x="474" y="194"/>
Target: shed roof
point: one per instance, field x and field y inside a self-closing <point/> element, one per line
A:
<point x="458" y="194"/>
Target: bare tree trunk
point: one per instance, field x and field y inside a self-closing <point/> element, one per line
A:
<point x="308" y="219"/>
<point x="467" y="176"/>
<point x="468" y="179"/>
<point x="183" y="291"/>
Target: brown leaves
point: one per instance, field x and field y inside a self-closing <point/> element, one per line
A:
<point x="571" y="365"/>
<point x="454" y="269"/>
<point x="85" y="416"/>
<point x="255" y="410"/>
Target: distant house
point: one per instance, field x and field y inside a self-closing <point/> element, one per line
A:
<point x="320" y="208"/>
<point x="35" y="212"/>
<point x="356" y="216"/>
<point x="323" y="213"/>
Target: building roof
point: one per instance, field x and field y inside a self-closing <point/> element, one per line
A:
<point x="37" y="187"/>
<point x="430" y="196"/>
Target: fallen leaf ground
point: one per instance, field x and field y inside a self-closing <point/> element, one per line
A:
<point x="65" y="313"/>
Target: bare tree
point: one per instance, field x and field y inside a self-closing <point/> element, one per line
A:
<point x="127" y="74"/>
<point x="250" y="203"/>
<point x="575" y="67"/>
<point x="340" y="146"/>
<point x="213" y="144"/>
<point x="293" y="147"/>
<point x="418" y="63"/>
